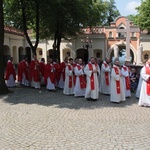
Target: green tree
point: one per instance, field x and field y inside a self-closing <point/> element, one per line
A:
<point x="26" y="17"/>
<point x="3" y="87"/>
<point x="143" y="16"/>
<point x="65" y="18"/>
<point x="111" y="12"/>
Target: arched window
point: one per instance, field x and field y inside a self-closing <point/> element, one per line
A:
<point x="121" y="34"/>
<point x="110" y="34"/>
<point x="98" y="54"/>
<point x="40" y="52"/>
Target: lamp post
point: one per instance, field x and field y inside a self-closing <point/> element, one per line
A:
<point x="87" y="43"/>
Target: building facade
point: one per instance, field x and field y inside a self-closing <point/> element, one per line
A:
<point x="100" y="42"/>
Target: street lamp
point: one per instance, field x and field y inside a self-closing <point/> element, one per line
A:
<point x="87" y="43"/>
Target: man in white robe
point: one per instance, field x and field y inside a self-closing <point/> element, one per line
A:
<point x="138" y="90"/>
<point x="62" y="76"/>
<point x="69" y="79"/>
<point x="92" y="72"/>
<point x="126" y="79"/>
<point x="105" y="77"/>
<point x="117" y="92"/>
<point x="145" y="87"/>
<point x="80" y="83"/>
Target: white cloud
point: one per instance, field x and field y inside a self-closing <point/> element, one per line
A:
<point x="130" y="7"/>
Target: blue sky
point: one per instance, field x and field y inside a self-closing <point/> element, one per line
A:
<point x="127" y="7"/>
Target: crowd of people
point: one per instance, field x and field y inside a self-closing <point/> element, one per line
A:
<point x="83" y="80"/>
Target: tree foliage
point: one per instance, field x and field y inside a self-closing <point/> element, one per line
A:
<point x="58" y="19"/>
<point x="143" y="16"/>
<point x="111" y="12"/>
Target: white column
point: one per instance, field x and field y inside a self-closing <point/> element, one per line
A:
<point x="128" y="40"/>
<point x="116" y="50"/>
<point x="139" y="55"/>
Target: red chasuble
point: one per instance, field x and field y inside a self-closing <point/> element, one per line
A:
<point x="42" y="68"/>
<point x="10" y="70"/>
<point x="81" y="79"/>
<point x="127" y="79"/>
<point x="92" y="77"/>
<point x="106" y="75"/>
<point x="20" y="71"/>
<point x="117" y="82"/>
<point x="148" y="81"/>
<point x="49" y="73"/>
<point x="62" y="67"/>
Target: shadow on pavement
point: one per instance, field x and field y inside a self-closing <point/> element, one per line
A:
<point x="24" y="95"/>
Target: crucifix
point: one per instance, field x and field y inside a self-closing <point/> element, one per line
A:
<point x="128" y="30"/>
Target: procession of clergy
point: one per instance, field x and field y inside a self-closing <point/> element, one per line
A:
<point x="78" y="79"/>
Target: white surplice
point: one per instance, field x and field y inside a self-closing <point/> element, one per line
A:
<point x="105" y="89"/>
<point x="94" y="94"/>
<point x="125" y="73"/>
<point x="67" y="90"/>
<point x="144" y="99"/>
<point x="77" y="89"/>
<point x="10" y="82"/>
<point x="114" y="96"/>
<point x="138" y="90"/>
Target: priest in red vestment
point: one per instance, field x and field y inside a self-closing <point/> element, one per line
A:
<point x="42" y="70"/>
<point x="49" y="75"/>
<point x="35" y="76"/>
<point x="92" y="72"/>
<point x="117" y="92"/>
<point x="10" y="74"/>
<point x="23" y="72"/>
<point x="62" y="70"/>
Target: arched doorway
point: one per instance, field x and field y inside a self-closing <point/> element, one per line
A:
<point x="39" y="53"/>
<point x="15" y="55"/>
<point x="51" y="54"/>
<point x="98" y="53"/>
<point x="21" y="54"/>
<point x="83" y="53"/>
<point x="145" y="55"/>
<point x="66" y="53"/>
<point x="122" y="54"/>
<point x="7" y="54"/>
<point x="28" y="53"/>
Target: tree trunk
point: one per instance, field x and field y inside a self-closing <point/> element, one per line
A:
<point x="3" y="87"/>
<point x="33" y="47"/>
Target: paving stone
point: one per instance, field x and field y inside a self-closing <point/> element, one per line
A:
<point x="52" y="121"/>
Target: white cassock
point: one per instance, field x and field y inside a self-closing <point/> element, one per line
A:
<point x="61" y="82"/>
<point x="116" y="96"/>
<point x="92" y="93"/>
<point x="144" y="99"/>
<point x="78" y="91"/>
<point x="69" y="74"/>
<point x="138" y="90"/>
<point x="125" y="73"/>
<point x="105" y="78"/>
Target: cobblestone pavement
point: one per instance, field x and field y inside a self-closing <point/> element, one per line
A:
<point x="43" y="120"/>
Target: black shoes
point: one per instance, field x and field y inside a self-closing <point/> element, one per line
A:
<point x="91" y="99"/>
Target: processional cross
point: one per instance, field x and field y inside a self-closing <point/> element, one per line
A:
<point x="128" y="30"/>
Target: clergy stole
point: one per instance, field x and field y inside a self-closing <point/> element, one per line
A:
<point x="81" y="79"/>
<point x="117" y="82"/>
<point x="127" y="80"/>
<point x="92" y="77"/>
<point x="148" y="81"/>
<point x="70" y="77"/>
<point x="106" y="75"/>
